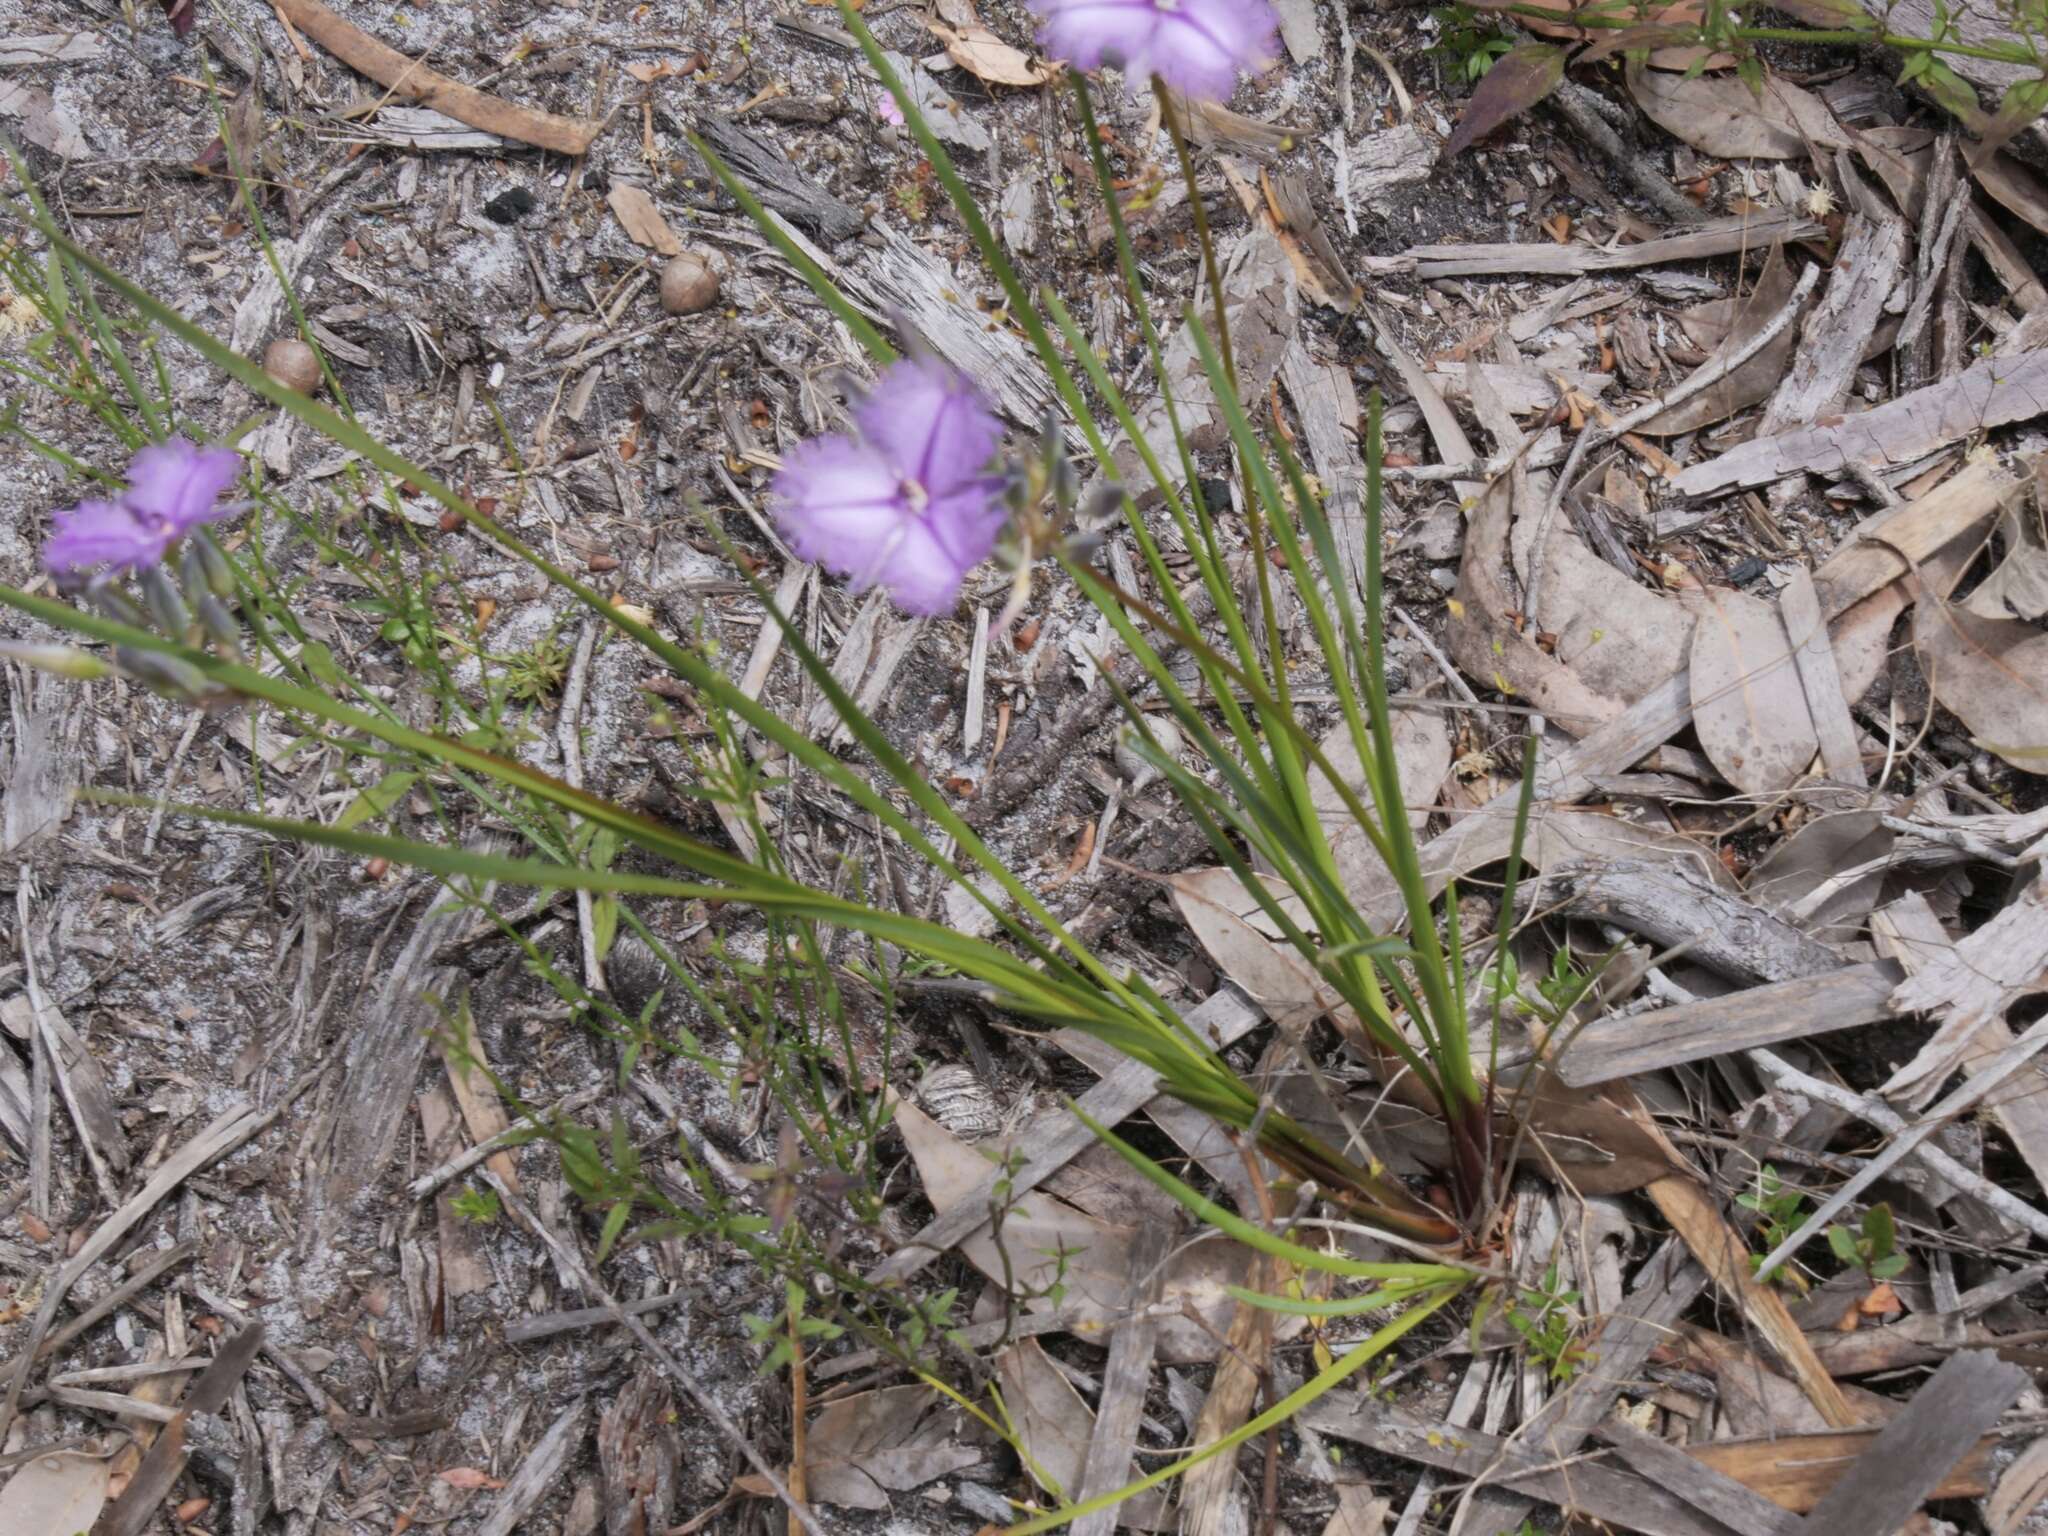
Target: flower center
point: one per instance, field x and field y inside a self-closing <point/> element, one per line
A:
<point x="915" y="496"/>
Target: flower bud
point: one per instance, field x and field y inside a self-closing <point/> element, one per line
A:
<point x="166" y="604"/>
<point x="166" y="674"/>
<point x="220" y="576"/>
<point x="59" y="660"/>
<point x="119" y="606"/>
<point x="220" y="626"/>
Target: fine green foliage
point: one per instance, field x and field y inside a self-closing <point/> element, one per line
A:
<point x="775" y="1015"/>
<point x="1548" y="1321"/>
<point x="1777" y="1209"/>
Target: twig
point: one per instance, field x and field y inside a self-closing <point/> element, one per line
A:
<point x="415" y="82"/>
<point x="1572" y="104"/>
<point x="1699" y="379"/>
<point x="572" y="1262"/>
<point x="432" y="1180"/>
<point x="1875" y="1112"/>
<point x="1996" y="1071"/>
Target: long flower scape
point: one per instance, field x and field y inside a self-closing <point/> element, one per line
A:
<point x="173" y="487"/>
<point x="909" y="503"/>
<point x="1196" y="46"/>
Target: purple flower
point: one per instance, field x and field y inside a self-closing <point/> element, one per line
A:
<point x="173" y="487"/>
<point x="909" y="503"/>
<point x="1195" y="46"/>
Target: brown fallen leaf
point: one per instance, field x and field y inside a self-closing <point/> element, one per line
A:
<point x="987" y="57"/>
<point x="2022" y="1488"/>
<point x="1992" y="674"/>
<point x="1519" y="79"/>
<point x="1045" y="1240"/>
<point x="2018" y="586"/>
<point x="58" y="1492"/>
<point x="641" y="220"/>
<point x="412" y="80"/>
<point x="863" y="1448"/>
<point x="1729" y="324"/>
<point x="1485" y="640"/>
<point x="1719" y="115"/>
<point x="1748" y="706"/>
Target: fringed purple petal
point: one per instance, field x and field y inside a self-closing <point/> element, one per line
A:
<point x="97" y="533"/>
<point x="180" y="484"/>
<point x="839" y="504"/>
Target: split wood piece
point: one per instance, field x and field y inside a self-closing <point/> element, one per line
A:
<point x="1912" y="934"/>
<point x="1324" y="396"/>
<point x="1056" y="1138"/>
<point x="411" y="79"/>
<point x="538" y="1475"/>
<point x="159" y="1470"/>
<point x="1798" y="1471"/>
<point x="228" y="1131"/>
<point x="80" y="1083"/>
<point x="1787" y="1010"/>
<point x="463" y="1269"/>
<point x="780" y="186"/>
<point x="1126" y="1379"/>
<point x="1866" y="267"/>
<point x="1989" y="394"/>
<point x="1876" y="1113"/>
<point x="384" y="1057"/>
<point x="1807" y="628"/>
<point x="1886" y="546"/>
<point x="1671" y="904"/>
<point x="569" y="740"/>
<point x="898" y="278"/>
<point x="1721" y="1250"/>
<point x="1722" y="239"/>
<point x="1586" y="1487"/>
<point x="1907" y="1460"/>
<point x="1706" y="1488"/>
<point x="476" y="1094"/>
<point x="1994" y="1072"/>
<point x="1206" y="1497"/>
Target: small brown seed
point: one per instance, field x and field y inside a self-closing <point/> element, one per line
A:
<point x="293" y="364"/>
<point x="689" y="283"/>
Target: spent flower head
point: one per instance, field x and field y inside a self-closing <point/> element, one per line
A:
<point x="173" y="488"/>
<point x="1196" y="46"/>
<point x="909" y="503"/>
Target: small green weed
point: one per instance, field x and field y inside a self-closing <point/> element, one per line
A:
<point x="1777" y="1211"/>
<point x="1467" y="42"/>
<point x="1548" y="1320"/>
<point x="477" y="1205"/>
<point x="1872" y="1247"/>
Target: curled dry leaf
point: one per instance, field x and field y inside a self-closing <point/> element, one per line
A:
<point x="1489" y="645"/>
<point x="1748" y="706"/>
<point x="1992" y="674"/>
<point x="1719" y="115"/>
<point x="2018" y="586"/>
<point x="1056" y="1424"/>
<point x="987" y="57"/>
<point x="1616" y="635"/>
<point x="1045" y="1241"/>
<point x="863" y="1448"/>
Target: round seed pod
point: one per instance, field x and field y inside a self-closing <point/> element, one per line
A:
<point x="689" y="283"/>
<point x="293" y="364"/>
